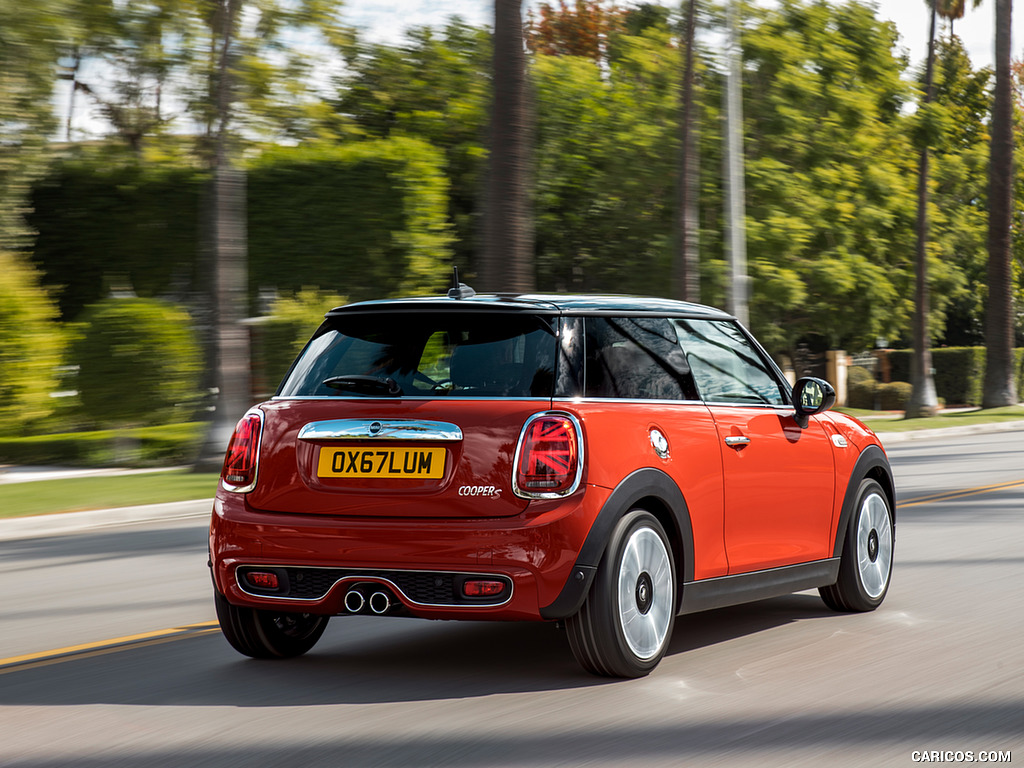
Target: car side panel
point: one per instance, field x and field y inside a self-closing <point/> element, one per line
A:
<point x="780" y="493"/>
<point x="618" y="438"/>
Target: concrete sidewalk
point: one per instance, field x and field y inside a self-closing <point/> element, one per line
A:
<point x="35" y="526"/>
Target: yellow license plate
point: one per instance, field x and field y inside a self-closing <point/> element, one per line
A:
<point x="397" y="463"/>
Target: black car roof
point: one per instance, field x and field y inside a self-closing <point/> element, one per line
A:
<point x="548" y="304"/>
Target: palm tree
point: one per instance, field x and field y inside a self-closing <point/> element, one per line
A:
<point x="507" y="263"/>
<point x="923" y="400"/>
<point x="687" y="260"/>
<point x="1000" y="387"/>
<point x="226" y="250"/>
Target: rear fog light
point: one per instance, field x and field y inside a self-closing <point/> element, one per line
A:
<point x="482" y="588"/>
<point x="262" y="579"/>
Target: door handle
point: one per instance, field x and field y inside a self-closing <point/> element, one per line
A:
<point x="737" y="441"/>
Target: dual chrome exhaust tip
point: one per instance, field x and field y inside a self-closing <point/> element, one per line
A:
<point x="379" y="601"/>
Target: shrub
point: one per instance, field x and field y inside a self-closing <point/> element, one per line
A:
<point x="861" y="393"/>
<point x="959" y="374"/>
<point x="894" y="395"/>
<point x="30" y="347"/>
<point x="279" y="337"/>
<point x="169" y="445"/>
<point x="858" y="373"/>
<point x="138" y="363"/>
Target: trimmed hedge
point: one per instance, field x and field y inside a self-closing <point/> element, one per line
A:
<point x="139" y="363"/>
<point x="959" y="372"/>
<point x="894" y="395"/>
<point x="142" y="447"/>
<point x="860" y="388"/>
<point x="366" y="219"/>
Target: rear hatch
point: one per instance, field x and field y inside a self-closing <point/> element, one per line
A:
<point x="406" y="414"/>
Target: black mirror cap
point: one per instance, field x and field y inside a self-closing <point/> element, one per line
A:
<point x="812" y="396"/>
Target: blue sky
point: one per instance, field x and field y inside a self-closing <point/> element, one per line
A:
<point x="385" y="20"/>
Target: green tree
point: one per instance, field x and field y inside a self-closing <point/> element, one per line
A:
<point x="959" y="215"/>
<point x="432" y="86"/>
<point x="606" y="153"/>
<point x="29" y="37"/>
<point x="829" y="179"/>
<point x="30" y="347"/>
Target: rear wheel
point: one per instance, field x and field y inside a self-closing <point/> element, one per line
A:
<point x="866" y="564"/>
<point x="268" y="634"/>
<point x="624" y="626"/>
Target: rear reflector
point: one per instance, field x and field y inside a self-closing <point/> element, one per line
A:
<point x="548" y="462"/>
<point x="242" y="457"/>
<point x="482" y="588"/>
<point x="262" y="579"/>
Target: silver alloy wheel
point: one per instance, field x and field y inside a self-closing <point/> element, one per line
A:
<point x="874" y="544"/>
<point x="645" y="592"/>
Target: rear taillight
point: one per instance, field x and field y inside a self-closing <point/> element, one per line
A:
<point x="549" y="459"/>
<point x="242" y="457"/>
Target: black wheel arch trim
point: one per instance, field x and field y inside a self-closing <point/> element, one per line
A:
<point x="872" y="462"/>
<point x="640" y="484"/>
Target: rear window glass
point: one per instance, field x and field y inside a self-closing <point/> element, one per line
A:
<point x="427" y="355"/>
<point x="636" y="358"/>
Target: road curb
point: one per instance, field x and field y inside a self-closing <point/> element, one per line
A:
<point x="37" y="526"/>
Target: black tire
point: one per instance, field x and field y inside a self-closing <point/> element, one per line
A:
<point x="268" y="634"/>
<point x="865" y="567"/>
<point x="624" y="626"/>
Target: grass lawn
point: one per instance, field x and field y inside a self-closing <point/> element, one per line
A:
<point x="41" y="497"/>
<point x="894" y="421"/>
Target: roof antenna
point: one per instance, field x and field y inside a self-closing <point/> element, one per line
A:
<point x="459" y="290"/>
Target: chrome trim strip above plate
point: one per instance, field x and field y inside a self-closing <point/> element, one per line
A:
<point x="380" y="429"/>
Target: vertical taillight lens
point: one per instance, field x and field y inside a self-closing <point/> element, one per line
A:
<point x="549" y="458"/>
<point x="242" y="457"/>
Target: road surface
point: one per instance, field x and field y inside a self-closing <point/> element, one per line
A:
<point x="939" y="668"/>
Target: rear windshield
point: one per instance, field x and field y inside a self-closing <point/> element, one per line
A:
<point x="427" y="355"/>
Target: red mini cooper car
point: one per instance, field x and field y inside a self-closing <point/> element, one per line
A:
<point x="608" y="462"/>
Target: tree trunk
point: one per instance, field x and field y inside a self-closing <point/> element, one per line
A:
<point x="1000" y="387"/>
<point x="507" y="263"/>
<point x="227" y="248"/>
<point x="923" y="400"/>
<point x="735" y="195"/>
<point x="686" y="275"/>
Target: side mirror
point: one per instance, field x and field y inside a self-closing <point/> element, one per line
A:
<point x="811" y="396"/>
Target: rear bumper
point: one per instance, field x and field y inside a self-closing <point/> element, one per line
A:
<point x="535" y="551"/>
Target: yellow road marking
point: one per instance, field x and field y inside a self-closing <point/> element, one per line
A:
<point x="951" y="495"/>
<point x="100" y="647"/>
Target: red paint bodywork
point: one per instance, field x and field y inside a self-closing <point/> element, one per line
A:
<point x="772" y="502"/>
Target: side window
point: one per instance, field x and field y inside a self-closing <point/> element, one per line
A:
<point x="725" y="365"/>
<point x="635" y="358"/>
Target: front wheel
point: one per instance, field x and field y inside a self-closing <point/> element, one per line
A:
<point x="624" y="626"/>
<point x="865" y="567"/>
<point x="268" y="634"/>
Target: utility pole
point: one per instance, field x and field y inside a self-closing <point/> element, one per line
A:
<point x="735" y="193"/>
